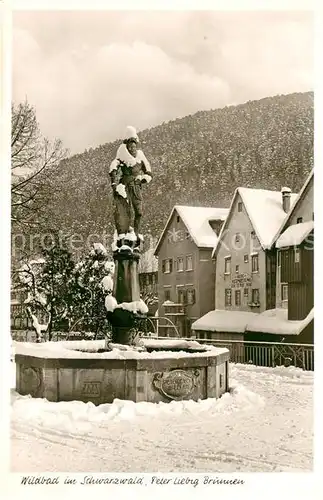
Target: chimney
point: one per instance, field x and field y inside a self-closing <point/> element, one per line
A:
<point x="286" y="194"/>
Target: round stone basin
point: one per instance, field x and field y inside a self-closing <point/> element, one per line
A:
<point x="76" y="370"/>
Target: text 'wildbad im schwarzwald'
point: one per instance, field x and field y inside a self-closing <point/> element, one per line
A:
<point x="130" y="480"/>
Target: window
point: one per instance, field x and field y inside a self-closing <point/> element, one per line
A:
<point x="167" y="266"/>
<point x="180" y="264"/>
<point x="167" y="294"/>
<point x="246" y="258"/>
<point x="181" y="296"/>
<point x="253" y="234"/>
<point x="255" y="263"/>
<point x="284" y="292"/>
<point x="279" y="258"/>
<point x="246" y="293"/>
<point x="228" y="295"/>
<point x="240" y="206"/>
<point x="178" y="218"/>
<point x="189" y="263"/>
<point x="237" y="297"/>
<point x="227" y="265"/>
<point x="221" y="381"/>
<point x="201" y="335"/>
<point x="147" y="279"/>
<point x="255" y="296"/>
<point x="297" y="255"/>
<point x="299" y="220"/>
<point x="237" y="268"/>
<point x="191" y="296"/>
<point x="237" y="238"/>
<point x="154" y="279"/>
<point x="313" y="216"/>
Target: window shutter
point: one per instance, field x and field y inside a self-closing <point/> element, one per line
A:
<point x="170" y="265"/>
<point x="163" y="266"/>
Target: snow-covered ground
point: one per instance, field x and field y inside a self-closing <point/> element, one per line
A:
<point x="264" y="424"/>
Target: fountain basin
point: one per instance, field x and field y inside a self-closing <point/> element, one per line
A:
<point x="76" y="370"/>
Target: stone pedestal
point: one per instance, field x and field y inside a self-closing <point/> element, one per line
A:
<point x="126" y="292"/>
<point x="126" y="282"/>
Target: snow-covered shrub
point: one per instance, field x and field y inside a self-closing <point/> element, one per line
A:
<point x="93" y="282"/>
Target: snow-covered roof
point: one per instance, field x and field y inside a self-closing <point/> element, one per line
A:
<point x="296" y="203"/>
<point x="265" y="211"/>
<point x="273" y="321"/>
<point x="295" y="234"/>
<point x="224" y="321"/>
<point x="197" y="221"/>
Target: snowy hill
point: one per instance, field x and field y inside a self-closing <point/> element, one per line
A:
<point x="196" y="160"/>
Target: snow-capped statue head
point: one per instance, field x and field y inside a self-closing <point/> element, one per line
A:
<point x="131" y="140"/>
<point x="131" y="134"/>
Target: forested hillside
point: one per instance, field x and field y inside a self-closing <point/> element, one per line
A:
<point x="196" y="160"/>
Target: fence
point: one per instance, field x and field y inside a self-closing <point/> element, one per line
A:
<point x="20" y="319"/>
<point x="266" y="353"/>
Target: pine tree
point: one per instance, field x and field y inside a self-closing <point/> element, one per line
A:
<point x="91" y="289"/>
<point x="56" y="283"/>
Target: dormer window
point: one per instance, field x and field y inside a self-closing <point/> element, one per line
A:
<point x="216" y="225"/>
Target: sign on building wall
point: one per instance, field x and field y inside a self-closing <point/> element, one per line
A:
<point x="241" y="281"/>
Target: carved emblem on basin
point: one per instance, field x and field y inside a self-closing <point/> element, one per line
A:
<point x="176" y="384"/>
<point x="91" y="389"/>
<point x="31" y="379"/>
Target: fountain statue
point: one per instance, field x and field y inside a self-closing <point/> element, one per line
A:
<point x="129" y="171"/>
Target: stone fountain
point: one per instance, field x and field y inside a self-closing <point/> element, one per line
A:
<point x="124" y="367"/>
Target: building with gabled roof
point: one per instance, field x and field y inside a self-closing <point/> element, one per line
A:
<point x="295" y="257"/>
<point x="245" y="261"/>
<point x="186" y="271"/>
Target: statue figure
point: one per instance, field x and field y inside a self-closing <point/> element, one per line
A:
<point x="128" y="171"/>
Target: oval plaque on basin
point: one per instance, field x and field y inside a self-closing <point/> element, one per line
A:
<point x="176" y="384"/>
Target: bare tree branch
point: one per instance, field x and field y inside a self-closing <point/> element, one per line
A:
<point x="33" y="159"/>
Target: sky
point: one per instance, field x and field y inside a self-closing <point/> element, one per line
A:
<point x="90" y="74"/>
